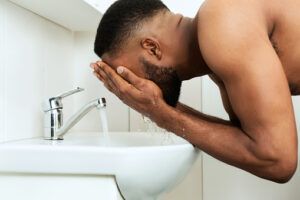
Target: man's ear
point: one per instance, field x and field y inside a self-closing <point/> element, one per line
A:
<point x="152" y="46"/>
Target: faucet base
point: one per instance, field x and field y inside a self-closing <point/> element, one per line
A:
<point x="53" y="138"/>
<point x="53" y="124"/>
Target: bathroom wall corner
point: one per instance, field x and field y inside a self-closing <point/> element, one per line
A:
<point x="2" y="72"/>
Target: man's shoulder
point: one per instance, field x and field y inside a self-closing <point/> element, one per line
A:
<point x="226" y="21"/>
<point x="228" y="30"/>
<point x="231" y="9"/>
<point x="234" y="3"/>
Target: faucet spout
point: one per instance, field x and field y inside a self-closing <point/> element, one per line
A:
<point x="98" y="103"/>
<point x="54" y="129"/>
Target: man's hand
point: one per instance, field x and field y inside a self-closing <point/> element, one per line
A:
<point x="140" y="94"/>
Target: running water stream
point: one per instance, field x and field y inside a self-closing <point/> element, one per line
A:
<point x="103" y="118"/>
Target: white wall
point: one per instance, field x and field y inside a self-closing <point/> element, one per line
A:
<point x="187" y="8"/>
<point x="40" y="59"/>
<point x="224" y="182"/>
<point x="35" y="53"/>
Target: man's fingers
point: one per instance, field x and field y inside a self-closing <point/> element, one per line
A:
<point x="113" y="76"/>
<point x="102" y="76"/>
<point x="107" y="83"/>
<point x="93" y="65"/>
<point x="98" y="76"/>
<point x="97" y="72"/>
<point x="129" y="76"/>
<point x="121" y="87"/>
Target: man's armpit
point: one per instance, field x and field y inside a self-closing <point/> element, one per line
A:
<point x="225" y="100"/>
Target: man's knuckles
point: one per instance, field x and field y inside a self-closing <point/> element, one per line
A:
<point x="124" y="90"/>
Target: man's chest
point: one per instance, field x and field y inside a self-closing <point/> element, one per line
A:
<point x="289" y="55"/>
<point x="285" y="39"/>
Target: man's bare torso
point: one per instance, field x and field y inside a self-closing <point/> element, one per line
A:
<point x="282" y="22"/>
<point x="286" y="41"/>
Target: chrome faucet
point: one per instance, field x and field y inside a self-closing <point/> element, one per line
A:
<point x="54" y="129"/>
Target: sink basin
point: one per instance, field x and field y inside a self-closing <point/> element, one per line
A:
<point x="144" y="164"/>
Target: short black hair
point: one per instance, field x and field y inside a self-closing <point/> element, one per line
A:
<point x="120" y="21"/>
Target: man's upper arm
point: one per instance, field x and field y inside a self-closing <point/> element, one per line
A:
<point x="226" y="103"/>
<point x="239" y="52"/>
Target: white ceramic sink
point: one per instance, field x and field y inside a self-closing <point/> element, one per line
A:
<point x="144" y="164"/>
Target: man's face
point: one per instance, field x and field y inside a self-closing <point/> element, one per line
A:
<point x="165" y="77"/>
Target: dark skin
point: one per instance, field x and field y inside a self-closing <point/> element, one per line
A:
<point x="250" y="50"/>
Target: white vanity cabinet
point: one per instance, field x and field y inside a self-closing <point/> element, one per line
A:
<point x="57" y="187"/>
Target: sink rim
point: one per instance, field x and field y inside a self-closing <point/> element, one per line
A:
<point x="73" y="140"/>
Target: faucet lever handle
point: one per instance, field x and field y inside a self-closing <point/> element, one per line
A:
<point x="66" y="94"/>
<point x="56" y="102"/>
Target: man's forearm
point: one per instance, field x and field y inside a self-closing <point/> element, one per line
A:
<point x="217" y="137"/>
<point x="188" y="110"/>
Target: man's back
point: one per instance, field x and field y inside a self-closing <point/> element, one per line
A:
<point x="278" y="20"/>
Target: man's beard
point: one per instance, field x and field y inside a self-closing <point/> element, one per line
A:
<point x="166" y="78"/>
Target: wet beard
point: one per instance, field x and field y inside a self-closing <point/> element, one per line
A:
<point x="166" y="79"/>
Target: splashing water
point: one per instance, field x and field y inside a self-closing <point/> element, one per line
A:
<point x="152" y="128"/>
<point x="103" y="118"/>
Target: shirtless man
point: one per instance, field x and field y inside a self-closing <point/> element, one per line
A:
<point x="250" y="48"/>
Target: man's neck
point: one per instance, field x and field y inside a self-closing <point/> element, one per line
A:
<point x="194" y="64"/>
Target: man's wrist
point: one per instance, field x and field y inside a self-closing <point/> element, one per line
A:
<point x="164" y="115"/>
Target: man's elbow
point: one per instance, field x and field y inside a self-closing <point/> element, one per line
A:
<point x="280" y="159"/>
<point x="283" y="170"/>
